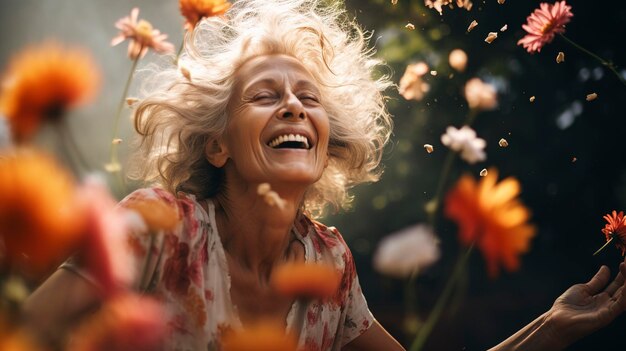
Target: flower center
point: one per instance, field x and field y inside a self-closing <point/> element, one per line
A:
<point x="144" y="31"/>
<point x="548" y="27"/>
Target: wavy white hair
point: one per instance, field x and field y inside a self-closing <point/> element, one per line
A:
<point x="182" y="114"/>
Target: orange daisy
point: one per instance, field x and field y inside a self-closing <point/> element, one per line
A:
<point x="544" y="23"/>
<point x="142" y="36"/>
<point x="306" y="280"/>
<point x="42" y="82"/>
<point x="489" y="214"/>
<point x="39" y="221"/>
<point x="267" y="335"/>
<point x="615" y="229"/>
<point x="196" y="10"/>
<point x="156" y="214"/>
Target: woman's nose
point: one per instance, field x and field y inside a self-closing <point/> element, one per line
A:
<point x="292" y="109"/>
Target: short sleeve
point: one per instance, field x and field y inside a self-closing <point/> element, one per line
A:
<point x="358" y="316"/>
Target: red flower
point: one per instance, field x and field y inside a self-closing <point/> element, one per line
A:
<point x="543" y="24"/>
<point x="616" y="229"/>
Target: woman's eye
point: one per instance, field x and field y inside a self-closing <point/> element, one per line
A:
<point x="309" y="98"/>
<point x="263" y="97"/>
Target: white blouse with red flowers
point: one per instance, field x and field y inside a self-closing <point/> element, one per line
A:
<point x="189" y="273"/>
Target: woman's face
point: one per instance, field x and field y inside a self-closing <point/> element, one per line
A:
<point x="277" y="130"/>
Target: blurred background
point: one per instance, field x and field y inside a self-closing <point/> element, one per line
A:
<point x="568" y="153"/>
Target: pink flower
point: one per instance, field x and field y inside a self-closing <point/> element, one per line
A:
<point x="544" y="23"/>
<point x="142" y="36"/>
<point x="106" y="251"/>
<point x="412" y="87"/>
<point x="127" y="322"/>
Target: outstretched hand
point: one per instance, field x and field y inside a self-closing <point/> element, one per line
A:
<point x="584" y="308"/>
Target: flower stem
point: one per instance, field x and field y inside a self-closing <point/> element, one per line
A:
<point x="69" y="145"/>
<point x="433" y="317"/>
<point x="113" y="159"/>
<point x="608" y="64"/>
<point x="603" y="246"/>
<point x="180" y="50"/>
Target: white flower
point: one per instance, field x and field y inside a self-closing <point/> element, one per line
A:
<point x="408" y="251"/>
<point x="466" y="142"/>
<point x="480" y="96"/>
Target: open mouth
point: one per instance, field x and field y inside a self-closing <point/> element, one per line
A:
<point x="290" y="141"/>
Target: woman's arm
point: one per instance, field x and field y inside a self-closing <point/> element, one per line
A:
<point x="61" y="301"/>
<point x="375" y="338"/>
<point x="581" y="310"/>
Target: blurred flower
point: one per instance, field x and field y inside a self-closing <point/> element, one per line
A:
<point x="39" y="221"/>
<point x="125" y="323"/>
<point x="106" y="252"/>
<point x="406" y="252"/>
<point x="544" y="23"/>
<point x="195" y="10"/>
<point x="491" y="216"/>
<point x="42" y="82"/>
<point x="157" y="214"/>
<point x="266" y="335"/>
<point x="412" y="87"/>
<point x="480" y="96"/>
<point x="306" y="280"/>
<point x="12" y="339"/>
<point x="466" y="142"/>
<point x="439" y="4"/>
<point x="458" y="59"/>
<point x="142" y="36"/>
<point x="615" y="229"/>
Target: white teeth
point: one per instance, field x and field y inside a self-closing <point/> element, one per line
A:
<point x="289" y="137"/>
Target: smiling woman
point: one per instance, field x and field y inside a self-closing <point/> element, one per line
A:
<point x="272" y="115"/>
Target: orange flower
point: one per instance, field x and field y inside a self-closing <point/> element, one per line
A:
<point x="12" y="339"/>
<point x="490" y="215"/>
<point x="263" y="336"/>
<point x="412" y="87"/>
<point x="196" y="10"/>
<point x="42" y="82"/>
<point x="544" y="23"/>
<point x="306" y="279"/>
<point x="39" y="223"/>
<point x="142" y="36"/>
<point x="127" y="322"/>
<point x="156" y="214"/>
<point x="616" y="229"/>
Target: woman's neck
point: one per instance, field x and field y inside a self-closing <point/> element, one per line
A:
<point x="256" y="235"/>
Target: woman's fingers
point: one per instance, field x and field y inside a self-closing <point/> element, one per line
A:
<point x="617" y="282"/>
<point x="599" y="281"/>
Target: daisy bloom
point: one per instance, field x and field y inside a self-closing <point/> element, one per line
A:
<point x="195" y="10"/>
<point x="106" y="252"/>
<point x="266" y="335"/>
<point x="142" y="36"/>
<point x="544" y="23"/>
<point x="480" y="96"/>
<point x="458" y="59"/>
<point x="306" y="280"/>
<point x="408" y="251"/>
<point x="489" y="214"/>
<point x="465" y="141"/>
<point x="126" y="322"/>
<point x="42" y="82"/>
<point x="39" y="219"/>
<point x="156" y="214"/>
<point x="615" y="230"/>
<point x="412" y="87"/>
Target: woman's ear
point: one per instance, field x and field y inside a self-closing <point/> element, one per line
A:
<point x="216" y="153"/>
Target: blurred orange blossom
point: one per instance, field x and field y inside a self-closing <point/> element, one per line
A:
<point x="196" y="10"/>
<point x="490" y="215"/>
<point x="39" y="219"/>
<point x="42" y="82"/>
<point x="412" y="86"/>
<point x="544" y="23"/>
<point x="306" y="280"/>
<point x="156" y="214"/>
<point x="142" y="36"/>
<point x="125" y="323"/>
<point x="266" y="335"/>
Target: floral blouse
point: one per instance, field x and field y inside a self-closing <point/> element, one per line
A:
<point x="189" y="272"/>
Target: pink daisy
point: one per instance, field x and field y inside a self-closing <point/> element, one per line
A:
<point x="142" y="36"/>
<point x="544" y="23"/>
